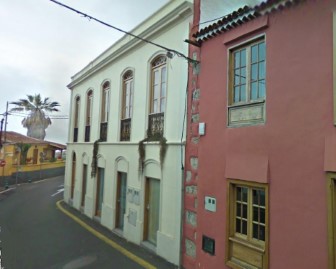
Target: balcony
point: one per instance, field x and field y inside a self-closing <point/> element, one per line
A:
<point x="125" y="129"/>
<point x="87" y="133"/>
<point x="155" y="126"/>
<point x="103" y="131"/>
<point x="75" y="137"/>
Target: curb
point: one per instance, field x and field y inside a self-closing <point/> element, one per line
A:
<point x="108" y="241"/>
<point x="9" y="189"/>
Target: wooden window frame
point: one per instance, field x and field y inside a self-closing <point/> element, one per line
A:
<point x="76" y="112"/>
<point x="248" y="66"/>
<point x="105" y="102"/>
<point x="250" y="111"/>
<point x="89" y="104"/>
<point x="127" y="78"/>
<point x="242" y="249"/>
<point x="159" y="63"/>
<point x="331" y="200"/>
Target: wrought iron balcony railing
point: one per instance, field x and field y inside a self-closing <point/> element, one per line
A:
<point x="103" y="131"/>
<point x="155" y="126"/>
<point x="75" y="137"/>
<point x="125" y="129"/>
<point x="87" y="133"/>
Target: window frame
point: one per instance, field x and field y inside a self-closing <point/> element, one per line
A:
<point x="250" y="111"/>
<point x="128" y="77"/>
<point x="89" y="105"/>
<point x="105" y="102"/>
<point x="154" y="68"/>
<point x="76" y="112"/>
<point x="234" y="239"/>
<point x="331" y="207"/>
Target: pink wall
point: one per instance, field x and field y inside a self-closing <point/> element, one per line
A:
<point x="288" y="151"/>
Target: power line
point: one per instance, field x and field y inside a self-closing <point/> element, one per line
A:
<point x="170" y="52"/>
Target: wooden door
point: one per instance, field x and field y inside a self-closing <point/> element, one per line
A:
<point x="35" y="156"/>
<point x="121" y="200"/>
<point x="152" y="210"/>
<point x="84" y="184"/>
<point x="100" y="191"/>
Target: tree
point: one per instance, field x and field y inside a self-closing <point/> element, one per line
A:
<point x="23" y="148"/>
<point x="37" y="121"/>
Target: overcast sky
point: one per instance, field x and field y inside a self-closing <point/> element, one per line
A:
<point x="43" y="44"/>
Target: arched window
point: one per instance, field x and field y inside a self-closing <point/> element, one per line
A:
<point x="88" y="120"/>
<point x="127" y="106"/>
<point x="104" y="110"/>
<point x="158" y="96"/>
<point x="76" y="118"/>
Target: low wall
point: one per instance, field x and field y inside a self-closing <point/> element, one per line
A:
<point x="29" y="176"/>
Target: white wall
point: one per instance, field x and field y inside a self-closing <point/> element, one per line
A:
<point x="171" y="30"/>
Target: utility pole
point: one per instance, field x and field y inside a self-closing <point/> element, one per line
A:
<point x="6" y="115"/>
<point x="1" y="133"/>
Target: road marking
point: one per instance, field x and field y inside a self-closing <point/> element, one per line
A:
<point x="58" y="191"/>
<point x="108" y="241"/>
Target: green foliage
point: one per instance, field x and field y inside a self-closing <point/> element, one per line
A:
<point x="142" y="151"/>
<point x="94" y="163"/>
<point x="24" y="150"/>
<point x="52" y="160"/>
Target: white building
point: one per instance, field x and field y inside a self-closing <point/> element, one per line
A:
<point x="130" y="92"/>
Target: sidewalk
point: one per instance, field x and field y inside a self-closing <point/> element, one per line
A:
<point x="142" y="256"/>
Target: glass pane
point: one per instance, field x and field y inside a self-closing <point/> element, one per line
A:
<point x="261" y="84"/>
<point x="254" y="91"/>
<point x="243" y="93"/>
<point x="255" y="214"/>
<point x="255" y="231"/>
<point x="155" y="107"/>
<point x="238" y="193"/>
<point x="243" y="75"/>
<point x="237" y="59"/>
<point x="245" y="211"/>
<point x="261" y="51"/>
<point x="236" y="94"/>
<point x="244" y="192"/>
<point x="238" y="228"/>
<point x="261" y="74"/>
<point x="163" y="90"/>
<point x="262" y="233"/>
<point x="255" y="195"/>
<point x="254" y="54"/>
<point x="163" y="74"/>
<point x="238" y="210"/>
<point x="254" y="72"/>
<point x="243" y="57"/>
<point x="237" y="77"/>
<point x="262" y="197"/>
<point x="262" y="215"/>
<point x="244" y="227"/>
<point x="156" y="77"/>
<point x="156" y="91"/>
<point x="163" y="105"/>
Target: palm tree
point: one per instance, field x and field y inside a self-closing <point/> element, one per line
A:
<point x="37" y="121"/>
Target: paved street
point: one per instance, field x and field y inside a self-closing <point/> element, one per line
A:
<point x="35" y="234"/>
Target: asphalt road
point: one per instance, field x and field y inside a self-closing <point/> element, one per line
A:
<point x="36" y="235"/>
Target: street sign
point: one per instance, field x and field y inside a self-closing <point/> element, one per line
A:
<point x="2" y="163"/>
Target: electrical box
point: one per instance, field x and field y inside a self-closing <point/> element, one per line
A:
<point x="201" y="128"/>
<point x="210" y="203"/>
<point x="208" y="245"/>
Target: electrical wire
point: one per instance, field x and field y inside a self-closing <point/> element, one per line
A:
<point x="171" y="51"/>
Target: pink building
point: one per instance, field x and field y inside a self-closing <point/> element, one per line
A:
<point x="260" y="182"/>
